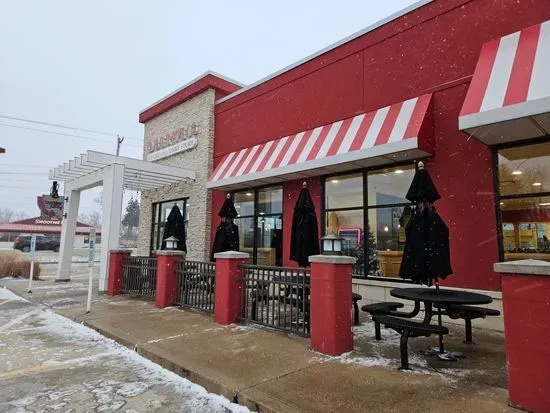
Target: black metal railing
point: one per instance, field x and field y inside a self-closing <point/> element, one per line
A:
<point x="140" y="276"/>
<point x="195" y="285"/>
<point x="276" y="297"/>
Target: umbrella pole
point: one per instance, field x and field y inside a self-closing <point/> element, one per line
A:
<point x="439" y="321"/>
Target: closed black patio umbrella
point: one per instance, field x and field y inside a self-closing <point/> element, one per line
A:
<point x="426" y="256"/>
<point x="175" y="226"/>
<point x="304" y="239"/>
<point x="227" y="233"/>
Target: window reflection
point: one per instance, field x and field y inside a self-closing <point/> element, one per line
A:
<point x="379" y="249"/>
<point x="344" y="191"/>
<point x="526" y="228"/>
<point x="260" y="224"/>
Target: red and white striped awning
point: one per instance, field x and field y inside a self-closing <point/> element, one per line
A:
<point x="391" y="134"/>
<point x="509" y="97"/>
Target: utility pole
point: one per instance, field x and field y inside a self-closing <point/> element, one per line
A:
<point x="119" y="140"/>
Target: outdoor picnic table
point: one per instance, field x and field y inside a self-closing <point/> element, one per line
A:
<point x="440" y="298"/>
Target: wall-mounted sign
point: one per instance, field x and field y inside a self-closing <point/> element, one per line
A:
<point x="172" y="150"/>
<point x="158" y="143"/>
<point x="50" y="207"/>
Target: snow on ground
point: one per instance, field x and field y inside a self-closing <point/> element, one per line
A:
<point x="90" y="346"/>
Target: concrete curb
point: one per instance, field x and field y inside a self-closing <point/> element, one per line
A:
<point x="212" y="386"/>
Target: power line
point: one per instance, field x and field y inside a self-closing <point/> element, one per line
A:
<point x="58" y="125"/>
<point x="59" y="133"/>
<point x="23" y="173"/>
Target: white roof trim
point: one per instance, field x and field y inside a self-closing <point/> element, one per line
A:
<point x="209" y="72"/>
<point x="349" y="38"/>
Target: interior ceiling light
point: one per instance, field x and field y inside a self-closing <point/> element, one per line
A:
<point x="544" y="204"/>
<point x="537" y="183"/>
<point x="399" y="171"/>
<point x="502" y="203"/>
<point x="248" y="194"/>
<point x="386" y="228"/>
<point x="517" y="173"/>
<point x="335" y="181"/>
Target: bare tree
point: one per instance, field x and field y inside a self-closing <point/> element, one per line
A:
<point x="21" y="215"/>
<point x="93" y="219"/>
<point x="6" y="215"/>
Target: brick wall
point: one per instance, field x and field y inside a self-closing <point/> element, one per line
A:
<point x="199" y="109"/>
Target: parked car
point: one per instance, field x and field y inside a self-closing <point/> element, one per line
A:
<point x="23" y="243"/>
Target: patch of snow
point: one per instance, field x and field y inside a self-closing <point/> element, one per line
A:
<point x="6" y="294"/>
<point x="351" y="358"/>
<point x="198" y="398"/>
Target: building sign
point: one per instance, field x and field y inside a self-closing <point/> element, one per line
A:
<point x="168" y="140"/>
<point x="172" y="150"/>
<point x="50" y="207"/>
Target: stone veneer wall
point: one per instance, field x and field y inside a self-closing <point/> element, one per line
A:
<point x="198" y="109"/>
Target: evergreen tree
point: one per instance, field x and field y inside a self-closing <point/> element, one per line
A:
<point x="131" y="217"/>
<point x="373" y="265"/>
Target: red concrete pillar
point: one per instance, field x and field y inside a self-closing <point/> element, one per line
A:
<point x="115" y="277"/>
<point x="526" y="305"/>
<point x="167" y="282"/>
<point x="227" y="299"/>
<point x="330" y="298"/>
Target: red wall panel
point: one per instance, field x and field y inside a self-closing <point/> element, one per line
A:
<point x="462" y="171"/>
<point x="321" y="97"/>
<point x="433" y="49"/>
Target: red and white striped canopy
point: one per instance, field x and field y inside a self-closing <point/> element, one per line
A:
<point x="385" y="135"/>
<point x="509" y="97"/>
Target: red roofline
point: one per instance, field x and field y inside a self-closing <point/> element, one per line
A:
<point x="209" y="80"/>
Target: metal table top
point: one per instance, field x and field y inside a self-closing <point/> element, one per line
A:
<point x="442" y="296"/>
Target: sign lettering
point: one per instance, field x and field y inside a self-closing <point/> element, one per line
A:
<point x="171" y="138"/>
<point x="172" y="150"/>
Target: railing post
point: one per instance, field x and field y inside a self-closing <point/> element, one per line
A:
<point x="227" y="298"/>
<point x="167" y="280"/>
<point x="116" y="271"/>
<point x="330" y="296"/>
<point x="526" y="303"/>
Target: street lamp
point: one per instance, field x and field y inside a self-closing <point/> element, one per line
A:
<point x="171" y="243"/>
<point x="332" y="245"/>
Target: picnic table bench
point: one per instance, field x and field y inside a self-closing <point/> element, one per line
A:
<point x="408" y="328"/>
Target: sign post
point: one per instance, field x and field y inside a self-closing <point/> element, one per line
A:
<point x="33" y="248"/>
<point x="91" y="269"/>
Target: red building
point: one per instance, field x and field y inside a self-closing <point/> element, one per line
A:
<point x="460" y="84"/>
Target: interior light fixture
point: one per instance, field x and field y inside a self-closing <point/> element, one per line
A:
<point x="249" y="194"/>
<point x="502" y="203"/>
<point x="544" y="204"/>
<point x="537" y="183"/>
<point x="386" y="228"/>
<point x="334" y="181"/>
<point x="399" y="171"/>
<point x="517" y="172"/>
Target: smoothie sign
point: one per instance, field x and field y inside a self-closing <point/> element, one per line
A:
<point x="180" y="140"/>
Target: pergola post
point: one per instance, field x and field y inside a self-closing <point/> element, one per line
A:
<point x="68" y="228"/>
<point x="113" y="189"/>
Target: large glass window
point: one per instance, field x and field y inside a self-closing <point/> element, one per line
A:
<point x="161" y="210"/>
<point x="524" y="201"/>
<point x="260" y="223"/>
<point x="374" y="200"/>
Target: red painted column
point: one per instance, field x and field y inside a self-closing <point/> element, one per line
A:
<point x="227" y="299"/>
<point x="526" y="305"/>
<point x="166" y="277"/>
<point x="115" y="277"/>
<point x="330" y="298"/>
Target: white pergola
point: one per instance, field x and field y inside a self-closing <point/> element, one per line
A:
<point x="115" y="173"/>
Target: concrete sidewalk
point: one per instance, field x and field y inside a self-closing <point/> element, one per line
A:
<point x="270" y="371"/>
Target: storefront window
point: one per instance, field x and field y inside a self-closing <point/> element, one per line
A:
<point x="161" y="210"/>
<point x="524" y="201"/>
<point x="260" y="222"/>
<point x="383" y="210"/>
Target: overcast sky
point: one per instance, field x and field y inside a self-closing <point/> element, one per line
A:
<point x="96" y="65"/>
